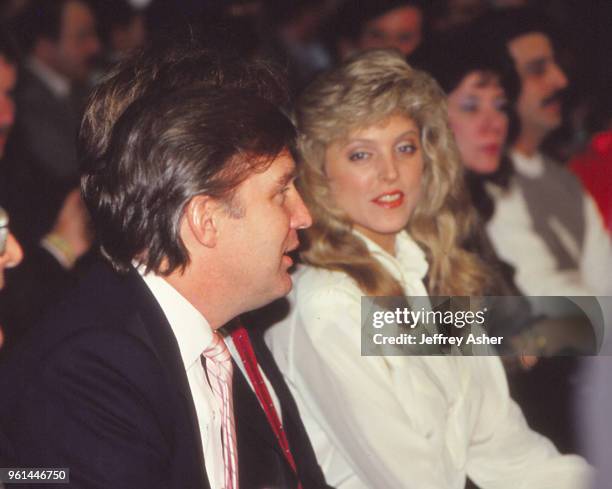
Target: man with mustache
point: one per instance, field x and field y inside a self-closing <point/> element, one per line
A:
<point x="545" y="225"/>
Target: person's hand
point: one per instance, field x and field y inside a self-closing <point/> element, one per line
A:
<point x="72" y="233"/>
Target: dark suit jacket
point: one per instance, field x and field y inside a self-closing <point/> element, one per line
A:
<point x="99" y="387"/>
<point x="33" y="287"/>
<point x="48" y="125"/>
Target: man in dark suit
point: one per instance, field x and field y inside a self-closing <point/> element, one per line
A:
<point x="60" y="42"/>
<point x="191" y="192"/>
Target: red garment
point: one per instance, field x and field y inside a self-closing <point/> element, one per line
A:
<point x="245" y="350"/>
<point x="594" y="169"/>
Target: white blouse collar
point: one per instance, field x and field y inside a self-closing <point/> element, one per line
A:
<point x="409" y="261"/>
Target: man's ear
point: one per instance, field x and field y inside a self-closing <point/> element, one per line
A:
<point x="202" y="216"/>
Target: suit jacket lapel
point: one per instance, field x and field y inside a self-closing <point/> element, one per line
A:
<point x="153" y="328"/>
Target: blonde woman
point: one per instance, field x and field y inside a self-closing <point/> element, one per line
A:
<point x="381" y="175"/>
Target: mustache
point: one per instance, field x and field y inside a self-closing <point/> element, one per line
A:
<point x="555" y="97"/>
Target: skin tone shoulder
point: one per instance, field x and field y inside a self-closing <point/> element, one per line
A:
<point x="375" y="177"/>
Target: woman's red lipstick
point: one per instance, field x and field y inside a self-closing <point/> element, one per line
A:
<point x="390" y="200"/>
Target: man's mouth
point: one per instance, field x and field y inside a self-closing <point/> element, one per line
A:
<point x="552" y="100"/>
<point x="389" y="200"/>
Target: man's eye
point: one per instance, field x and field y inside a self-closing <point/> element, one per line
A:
<point x="359" y="155"/>
<point x="537" y="69"/>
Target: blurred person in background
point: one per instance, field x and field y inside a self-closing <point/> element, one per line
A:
<point x="48" y="268"/>
<point x="10" y="250"/>
<point x="448" y="15"/>
<point x="545" y="225"/>
<point x="358" y="25"/>
<point x="295" y="40"/>
<point x="122" y="30"/>
<point x="60" y="42"/>
<point x="480" y="98"/>
<point x="593" y="167"/>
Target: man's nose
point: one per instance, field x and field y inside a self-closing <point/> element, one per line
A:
<point x="300" y="216"/>
<point x="559" y="77"/>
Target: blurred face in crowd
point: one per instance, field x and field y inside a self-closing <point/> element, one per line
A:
<point x="256" y="240"/>
<point x="400" y="28"/>
<point x="8" y="77"/>
<point x="542" y="82"/>
<point x="375" y="177"/>
<point x="460" y="12"/>
<point x="73" y="53"/>
<point x="129" y="38"/>
<point x="476" y="113"/>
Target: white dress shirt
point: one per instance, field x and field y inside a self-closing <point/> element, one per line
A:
<point x="403" y="422"/>
<point x="57" y="83"/>
<point x="515" y="240"/>
<point x="193" y="335"/>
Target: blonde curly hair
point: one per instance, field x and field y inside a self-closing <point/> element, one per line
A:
<point x="364" y="91"/>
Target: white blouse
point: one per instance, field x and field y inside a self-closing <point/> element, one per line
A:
<point x="404" y="422"/>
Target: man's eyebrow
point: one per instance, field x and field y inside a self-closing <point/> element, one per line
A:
<point x="287" y="177"/>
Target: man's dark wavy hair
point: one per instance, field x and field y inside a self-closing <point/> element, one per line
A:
<point x="162" y="152"/>
<point x="159" y="69"/>
<point x="136" y="198"/>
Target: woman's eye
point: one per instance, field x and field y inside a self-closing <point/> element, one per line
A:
<point x="408" y="148"/>
<point x="501" y="105"/>
<point x="359" y="155"/>
<point x="468" y="106"/>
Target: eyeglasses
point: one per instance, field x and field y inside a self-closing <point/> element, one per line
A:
<point x="4" y="230"/>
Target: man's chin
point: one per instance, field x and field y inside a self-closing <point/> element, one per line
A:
<point x="281" y="291"/>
